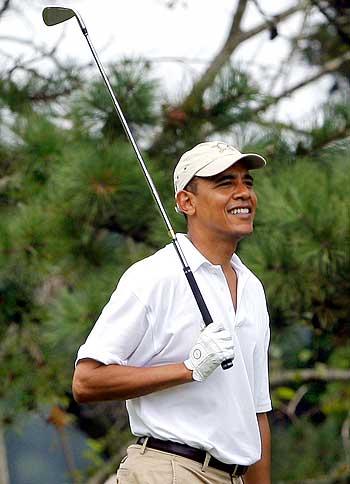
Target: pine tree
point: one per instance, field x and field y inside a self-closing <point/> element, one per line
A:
<point x="76" y="212"/>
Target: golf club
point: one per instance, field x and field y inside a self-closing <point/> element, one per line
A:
<point x="53" y="15"/>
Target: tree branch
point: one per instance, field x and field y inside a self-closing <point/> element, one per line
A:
<point x="232" y="41"/>
<point x="42" y="96"/>
<point x="235" y="37"/>
<point x="292" y="405"/>
<point x="333" y="21"/>
<point x="4" y="7"/>
<point x="287" y="65"/>
<point x="267" y="24"/>
<point x="328" y="68"/>
<point x="283" y="126"/>
<point x="10" y="38"/>
<point x="341" y="134"/>
<point x="284" y="377"/>
<point x="4" y="470"/>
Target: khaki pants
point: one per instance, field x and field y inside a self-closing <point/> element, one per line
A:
<point x="150" y="466"/>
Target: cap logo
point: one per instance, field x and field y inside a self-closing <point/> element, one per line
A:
<point x="223" y="147"/>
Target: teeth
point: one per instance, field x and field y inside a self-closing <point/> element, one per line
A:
<point x="236" y="211"/>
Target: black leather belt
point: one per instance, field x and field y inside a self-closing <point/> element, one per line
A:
<point x="198" y="455"/>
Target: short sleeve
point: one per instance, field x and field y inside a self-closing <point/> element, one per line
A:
<point x="120" y="330"/>
<point x="261" y="369"/>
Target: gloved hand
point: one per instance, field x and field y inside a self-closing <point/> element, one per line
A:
<point x="214" y="345"/>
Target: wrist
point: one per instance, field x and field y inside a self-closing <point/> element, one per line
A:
<point x="188" y="373"/>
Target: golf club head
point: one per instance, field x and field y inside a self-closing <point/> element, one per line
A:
<point x="57" y="15"/>
<point x="53" y="15"/>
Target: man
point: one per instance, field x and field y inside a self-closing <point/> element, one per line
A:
<point x="195" y="422"/>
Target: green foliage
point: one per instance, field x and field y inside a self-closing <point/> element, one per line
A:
<point x="302" y="238"/>
<point x="96" y="185"/>
<point x="76" y="212"/>
<point x="303" y="451"/>
<point x="334" y="127"/>
<point x="336" y="399"/>
<point x="227" y="101"/>
<point x="93" y="110"/>
<point x="20" y="92"/>
<point x="325" y="43"/>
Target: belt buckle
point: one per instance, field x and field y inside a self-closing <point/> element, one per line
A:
<point x="235" y="469"/>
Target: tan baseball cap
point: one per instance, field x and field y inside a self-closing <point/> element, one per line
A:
<point x="211" y="158"/>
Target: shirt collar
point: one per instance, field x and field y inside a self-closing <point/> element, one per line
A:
<point x="196" y="259"/>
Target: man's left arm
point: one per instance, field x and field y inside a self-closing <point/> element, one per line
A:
<point x="260" y="472"/>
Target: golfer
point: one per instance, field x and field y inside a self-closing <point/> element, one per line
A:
<point x="194" y="421"/>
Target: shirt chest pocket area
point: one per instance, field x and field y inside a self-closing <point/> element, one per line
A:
<point x="246" y="332"/>
<point x="175" y="331"/>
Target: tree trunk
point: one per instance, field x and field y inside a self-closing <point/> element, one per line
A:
<point x="4" y="472"/>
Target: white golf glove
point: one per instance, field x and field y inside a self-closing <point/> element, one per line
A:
<point x="214" y="345"/>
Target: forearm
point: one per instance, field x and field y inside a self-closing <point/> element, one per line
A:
<point x="260" y="473"/>
<point x="94" y="381"/>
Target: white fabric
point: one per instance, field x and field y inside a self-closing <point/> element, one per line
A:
<point x="213" y="346"/>
<point x="152" y="319"/>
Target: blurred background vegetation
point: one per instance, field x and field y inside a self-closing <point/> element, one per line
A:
<point x="75" y="213"/>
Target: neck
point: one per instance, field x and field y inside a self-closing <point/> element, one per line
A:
<point x="218" y="252"/>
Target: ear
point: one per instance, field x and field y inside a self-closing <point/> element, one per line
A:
<point x="185" y="202"/>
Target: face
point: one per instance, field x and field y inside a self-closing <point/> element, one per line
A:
<point x="223" y="205"/>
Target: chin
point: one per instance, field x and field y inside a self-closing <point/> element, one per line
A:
<point x="243" y="233"/>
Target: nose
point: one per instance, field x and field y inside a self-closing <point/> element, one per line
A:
<point x="241" y="191"/>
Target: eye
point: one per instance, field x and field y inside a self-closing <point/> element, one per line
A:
<point x="224" y="182"/>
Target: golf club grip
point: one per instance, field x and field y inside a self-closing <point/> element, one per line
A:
<point x="225" y="365"/>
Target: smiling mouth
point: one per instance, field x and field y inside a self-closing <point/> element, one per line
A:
<point x="240" y="211"/>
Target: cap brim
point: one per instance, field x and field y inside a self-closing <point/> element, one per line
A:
<point x="252" y="162"/>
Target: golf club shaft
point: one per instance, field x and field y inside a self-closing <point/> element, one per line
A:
<point x="131" y="139"/>
<point x="187" y="271"/>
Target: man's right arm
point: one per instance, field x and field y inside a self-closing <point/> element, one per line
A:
<point x="94" y="381"/>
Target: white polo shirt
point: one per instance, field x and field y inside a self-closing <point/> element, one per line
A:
<point x="152" y="319"/>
